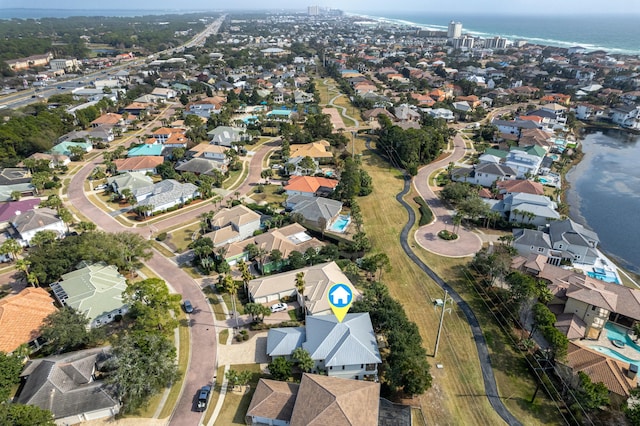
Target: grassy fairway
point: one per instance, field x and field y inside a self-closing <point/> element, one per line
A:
<point x="457" y="395"/>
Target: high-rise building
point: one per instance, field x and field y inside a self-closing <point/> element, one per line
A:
<point x="455" y="30"/>
<point x="313" y="10"/>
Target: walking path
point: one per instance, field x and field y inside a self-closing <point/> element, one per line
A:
<point x="467" y="243"/>
<point x="488" y="376"/>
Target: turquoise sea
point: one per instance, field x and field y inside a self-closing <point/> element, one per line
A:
<point x="613" y="33"/>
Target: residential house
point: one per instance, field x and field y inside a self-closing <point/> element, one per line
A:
<point x="317" y="400"/>
<point x="233" y="224"/>
<point x="142" y="164"/>
<point x="166" y="194"/>
<point x="626" y="116"/>
<point x="109" y="119"/>
<point x="205" y="107"/>
<point x="15" y="179"/>
<point x="536" y="137"/>
<point x="316" y="150"/>
<point x="137" y="109"/>
<point x="202" y="166"/>
<point x="165" y="93"/>
<point x="405" y="113"/>
<point x="462" y="106"/>
<point x="589" y="112"/>
<point x="227" y="136"/>
<point x="424" y="101"/>
<point x="285" y="240"/>
<point x="300" y="97"/>
<point x="513" y="127"/>
<point x="9" y="209"/>
<point x="560" y="240"/>
<point x="133" y="181"/>
<point x="311" y="186"/>
<point x="484" y="174"/>
<point x="210" y="152"/>
<point x="372" y="114"/>
<point x="54" y="160"/>
<point x="171" y="137"/>
<point x="65" y="148"/>
<point x="28" y="224"/>
<point x="615" y="375"/>
<point x="317" y="211"/>
<point x="443" y="113"/>
<point x="95" y="290"/>
<point x="346" y="349"/>
<point x="21" y="316"/>
<point x="66" y="385"/>
<point x="318" y="280"/>
<point x="528" y="208"/>
<point x="522" y="186"/>
<point x="524" y="163"/>
<point x="298" y="166"/>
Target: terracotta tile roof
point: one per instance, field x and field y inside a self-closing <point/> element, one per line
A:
<point x="600" y="369"/>
<point x="21" y="316"/>
<point x="521" y="186"/>
<point x="309" y="183"/>
<point x="109" y="118"/>
<point x="143" y="162"/>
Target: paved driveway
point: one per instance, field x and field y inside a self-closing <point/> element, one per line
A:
<point x="253" y="351"/>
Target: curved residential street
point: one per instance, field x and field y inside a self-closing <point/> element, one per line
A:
<point x="202" y="363"/>
<point x="467" y="243"/>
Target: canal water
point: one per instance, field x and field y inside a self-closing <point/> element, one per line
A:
<point x="604" y="193"/>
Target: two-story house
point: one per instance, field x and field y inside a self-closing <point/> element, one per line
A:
<point x="233" y="224"/>
<point x="28" y="224"/>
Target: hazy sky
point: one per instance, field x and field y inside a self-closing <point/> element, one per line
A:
<point x="460" y="6"/>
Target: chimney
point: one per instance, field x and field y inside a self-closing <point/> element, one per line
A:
<point x="632" y="371"/>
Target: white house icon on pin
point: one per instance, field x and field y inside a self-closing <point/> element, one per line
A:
<point x="340" y="296"/>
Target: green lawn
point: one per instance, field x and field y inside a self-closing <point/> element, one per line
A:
<point x="235" y="405"/>
<point x="270" y="195"/>
<point x="181" y="238"/>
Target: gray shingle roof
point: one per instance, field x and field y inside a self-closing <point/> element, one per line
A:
<point x="314" y="208"/>
<point x="64" y="385"/>
<point x="169" y="190"/>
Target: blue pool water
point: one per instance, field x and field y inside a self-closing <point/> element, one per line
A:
<point x="615" y="332"/>
<point x="604" y="277"/>
<point x="615" y="354"/>
<point x="543" y="180"/>
<point x="340" y="224"/>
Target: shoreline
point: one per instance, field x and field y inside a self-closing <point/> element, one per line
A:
<point x="538" y="41"/>
<point x="624" y="266"/>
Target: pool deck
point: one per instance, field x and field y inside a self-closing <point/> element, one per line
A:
<point x="606" y="342"/>
<point x="602" y="262"/>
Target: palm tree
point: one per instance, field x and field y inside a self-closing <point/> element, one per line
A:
<point x="245" y="272"/>
<point x="231" y="287"/>
<point x="11" y="247"/>
<point x="457" y="220"/>
<point x="300" y="286"/>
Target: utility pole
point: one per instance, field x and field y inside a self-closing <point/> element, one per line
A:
<point x="444" y="304"/>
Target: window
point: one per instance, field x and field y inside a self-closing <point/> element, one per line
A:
<point x="540" y="249"/>
<point x="343" y="367"/>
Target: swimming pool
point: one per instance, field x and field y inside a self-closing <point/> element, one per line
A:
<point x="543" y="180"/>
<point x="615" y="354"/>
<point x="608" y="278"/>
<point x="340" y="224"/>
<point x="615" y="332"/>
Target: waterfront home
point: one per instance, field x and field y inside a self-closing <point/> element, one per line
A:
<point x="626" y="116"/>
<point x="513" y="127"/>
<point x="484" y="174"/>
<point x="560" y="240"/>
<point x="94" y="290"/>
<point x="530" y="209"/>
<point x="526" y="163"/>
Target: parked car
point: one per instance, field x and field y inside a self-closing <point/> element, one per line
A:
<point x="279" y="307"/>
<point x="203" y="398"/>
<point x="188" y="307"/>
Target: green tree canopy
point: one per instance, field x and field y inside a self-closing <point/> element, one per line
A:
<point x="10" y="368"/>
<point x="25" y="415"/>
<point x="280" y="369"/>
<point x="65" y="331"/>
<point x="151" y="305"/>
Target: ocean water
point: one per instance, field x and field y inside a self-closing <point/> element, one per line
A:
<point x="613" y="33"/>
<point x="604" y="196"/>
